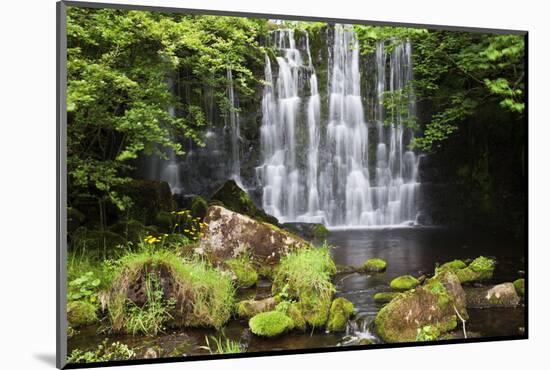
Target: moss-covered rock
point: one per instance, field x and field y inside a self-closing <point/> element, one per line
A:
<point x="199" y="206"/>
<point x="243" y="271"/>
<point x="320" y="231"/>
<point x="251" y="307"/>
<point x="270" y="324"/>
<point x="384" y="297"/>
<point x="80" y="313"/>
<point x="431" y="304"/>
<point x="480" y="269"/>
<point x="149" y="198"/>
<point x="292" y="310"/>
<point x="519" y="284"/>
<point x="231" y="235"/>
<point x="340" y="311"/>
<point x="404" y="282"/>
<point x="236" y="199"/>
<point x="453" y="265"/>
<point x="501" y="295"/>
<point x="375" y="265"/>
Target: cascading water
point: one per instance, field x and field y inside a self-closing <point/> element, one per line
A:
<point x="234" y="129"/>
<point x="338" y="183"/>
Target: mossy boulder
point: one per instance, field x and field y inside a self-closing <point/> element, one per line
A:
<point x="199" y="206"/>
<point x="231" y="235"/>
<point x="384" y="297"/>
<point x="519" y="284"/>
<point x="149" y="198"/>
<point x="432" y="304"/>
<point x="375" y="265"/>
<point x="236" y="199"/>
<point x="501" y="295"/>
<point x="270" y="324"/>
<point x="340" y="311"/>
<point x="243" y="271"/>
<point x="453" y="265"/>
<point x="320" y="231"/>
<point x="292" y="310"/>
<point x="81" y="313"/>
<point x="404" y="282"/>
<point x="480" y="269"/>
<point x="251" y="307"/>
<point x="202" y="296"/>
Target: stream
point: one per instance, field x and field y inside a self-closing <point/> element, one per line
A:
<point x="407" y="251"/>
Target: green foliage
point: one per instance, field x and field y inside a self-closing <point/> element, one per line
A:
<point x="221" y="346"/>
<point x="405" y="282"/>
<point x="150" y="318"/>
<point x="246" y="275"/>
<point x="84" y="288"/>
<point x="305" y="275"/>
<point x="104" y="353"/>
<point x="519" y="285"/>
<point x="427" y="333"/>
<point x="122" y="69"/>
<point x="270" y="324"/>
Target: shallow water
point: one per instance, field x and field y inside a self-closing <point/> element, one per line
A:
<point x="407" y="250"/>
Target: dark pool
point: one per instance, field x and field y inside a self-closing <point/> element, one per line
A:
<point x="407" y="250"/>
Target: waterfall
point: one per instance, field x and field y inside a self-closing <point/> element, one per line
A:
<point x="333" y="179"/>
<point x="234" y="129"/>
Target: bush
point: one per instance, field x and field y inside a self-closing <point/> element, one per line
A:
<point x="305" y="275"/>
<point x="270" y="324"/>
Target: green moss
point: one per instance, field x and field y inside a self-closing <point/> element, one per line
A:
<point x="427" y="333"/>
<point x="237" y="200"/>
<point x="80" y="313"/>
<point x="436" y="287"/>
<point x="375" y="265"/>
<point x="292" y="310"/>
<point x="481" y="268"/>
<point x="204" y="296"/>
<point x="320" y="231"/>
<point x="384" y="297"/>
<point x="519" y="285"/>
<point x="405" y="282"/>
<point x="453" y="265"/>
<point x="199" y="206"/>
<point x="305" y="276"/>
<point x="246" y="275"/>
<point x="270" y="324"/>
<point x="340" y="311"/>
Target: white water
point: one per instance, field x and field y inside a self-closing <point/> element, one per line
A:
<point x="334" y="181"/>
<point x="234" y="129"/>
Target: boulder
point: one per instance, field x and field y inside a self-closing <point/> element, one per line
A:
<point x="405" y="282"/>
<point x="270" y="324"/>
<point x="480" y="269"/>
<point x="453" y="265"/>
<point x="501" y="295"/>
<point x="232" y="197"/>
<point x="229" y="235"/>
<point x="432" y="304"/>
<point x="384" y="297"/>
<point x="80" y="313"/>
<point x="340" y="311"/>
<point x="252" y="307"/>
<point x="519" y="284"/>
<point x="375" y="265"/>
<point x="292" y="310"/>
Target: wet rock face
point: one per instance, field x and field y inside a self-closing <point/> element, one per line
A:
<point x="230" y="234"/>
<point x="501" y="295"/>
<point x="431" y="304"/>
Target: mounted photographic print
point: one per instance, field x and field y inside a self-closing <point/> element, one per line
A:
<point x="250" y="184"/>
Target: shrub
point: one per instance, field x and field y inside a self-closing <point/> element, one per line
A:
<point x="305" y="275"/>
<point x="270" y="324"/>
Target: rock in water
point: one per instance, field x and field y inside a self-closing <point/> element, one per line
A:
<point x="232" y="197"/>
<point x="502" y="295"/>
<point x="431" y="304"/>
<point x="340" y="311"/>
<point x="252" y="307"/>
<point x="230" y="234"/>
